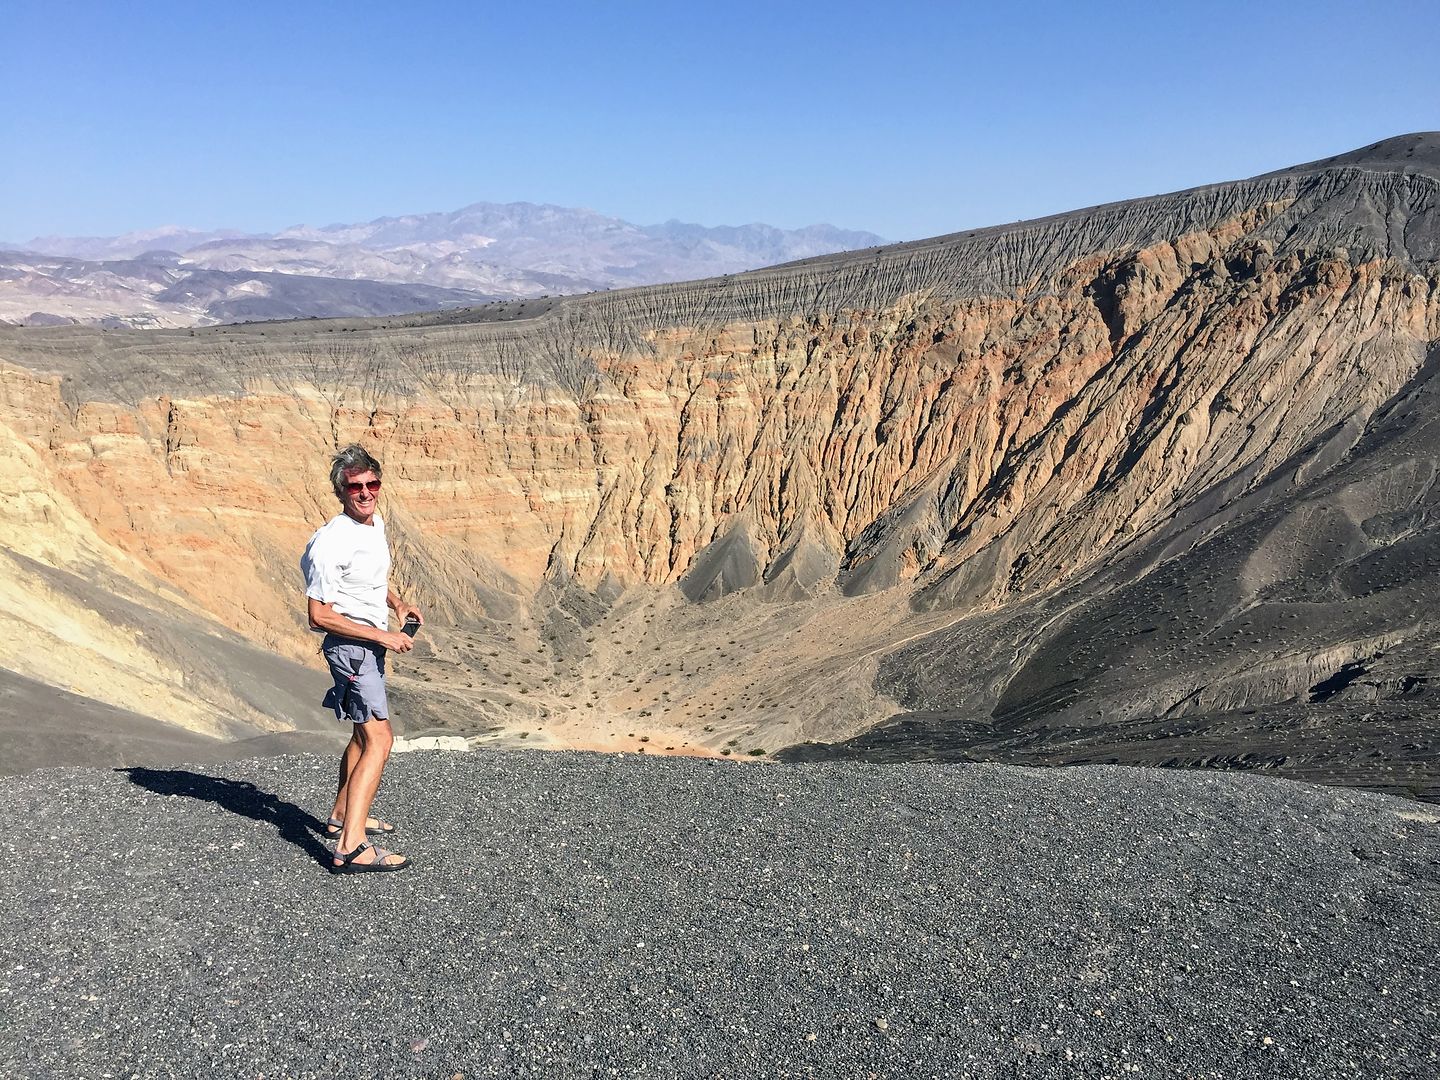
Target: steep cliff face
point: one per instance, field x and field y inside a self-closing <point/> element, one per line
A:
<point x="1283" y="624"/>
<point x="926" y="434"/>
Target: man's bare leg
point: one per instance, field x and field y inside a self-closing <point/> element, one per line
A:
<point x="375" y="739"/>
<point x="342" y="791"/>
<point x="347" y="764"/>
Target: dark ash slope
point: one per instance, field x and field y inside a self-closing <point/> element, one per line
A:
<point x="1290" y="627"/>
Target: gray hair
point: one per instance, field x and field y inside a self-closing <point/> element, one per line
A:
<point x="348" y="459"/>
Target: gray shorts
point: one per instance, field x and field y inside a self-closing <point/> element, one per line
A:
<point x="359" y="671"/>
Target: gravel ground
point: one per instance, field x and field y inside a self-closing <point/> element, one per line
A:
<point x="591" y="915"/>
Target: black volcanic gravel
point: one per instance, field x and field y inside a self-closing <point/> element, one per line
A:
<point x="590" y="915"/>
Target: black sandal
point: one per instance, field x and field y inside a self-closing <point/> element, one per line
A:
<point x="348" y="865"/>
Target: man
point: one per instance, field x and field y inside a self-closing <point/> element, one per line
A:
<point x="347" y="568"/>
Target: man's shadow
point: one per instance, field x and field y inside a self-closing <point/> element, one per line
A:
<point x="243" y="798"/>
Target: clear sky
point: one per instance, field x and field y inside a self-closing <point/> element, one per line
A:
<point x="908" y="119"/>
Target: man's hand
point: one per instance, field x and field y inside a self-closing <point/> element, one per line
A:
<point x="405" y="612"/>
<point x="395" y="641"/>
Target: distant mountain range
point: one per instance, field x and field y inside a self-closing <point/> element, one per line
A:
<point x="175" y="276"/>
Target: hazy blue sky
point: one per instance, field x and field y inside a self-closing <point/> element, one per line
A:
<point x="908" y="119"/>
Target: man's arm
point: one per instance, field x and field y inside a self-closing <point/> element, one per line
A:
<point x="403" y="611"/>
<point x="324" y="617"/>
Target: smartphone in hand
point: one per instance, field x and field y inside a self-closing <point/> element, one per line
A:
<point x="410" y="627"/>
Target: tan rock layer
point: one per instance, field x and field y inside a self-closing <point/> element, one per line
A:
<point x="1039" y="430"/>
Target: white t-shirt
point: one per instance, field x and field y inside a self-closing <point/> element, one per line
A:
<point x="347" y="565"/>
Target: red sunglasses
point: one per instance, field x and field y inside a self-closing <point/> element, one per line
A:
<point x="372" y="486"/>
